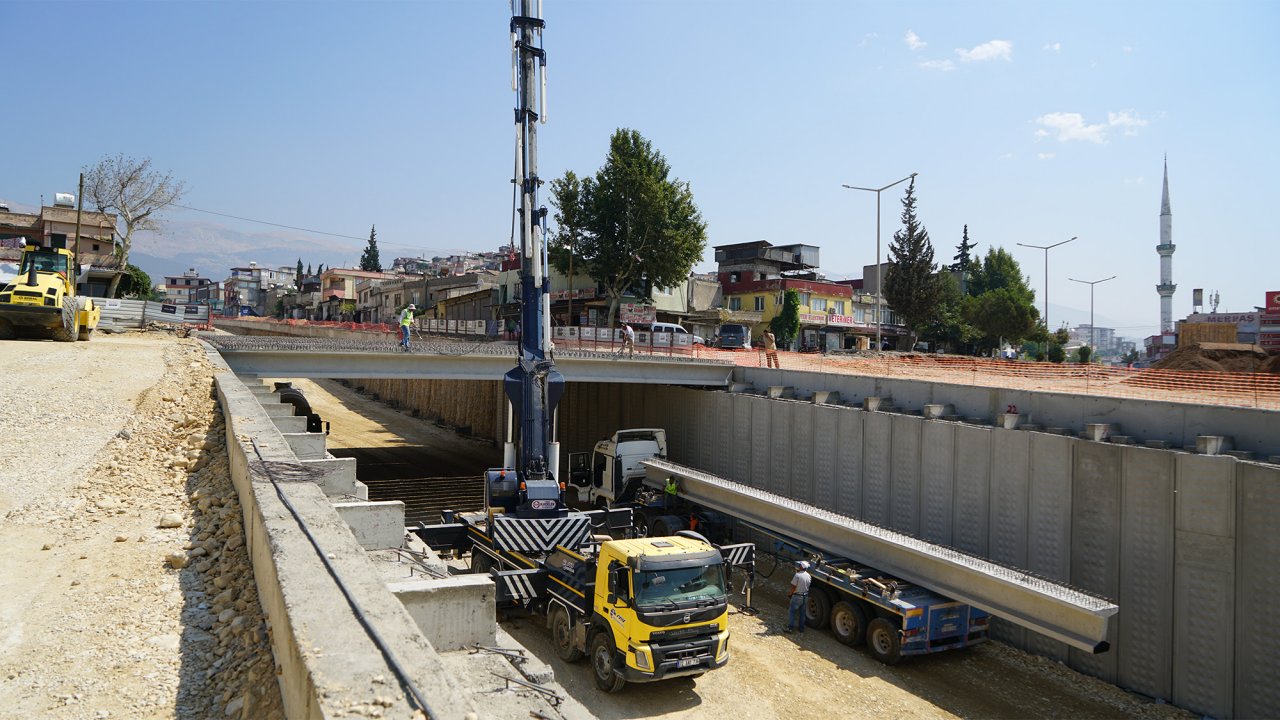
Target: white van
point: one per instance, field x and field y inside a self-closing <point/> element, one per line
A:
<point x="677" y="329"/>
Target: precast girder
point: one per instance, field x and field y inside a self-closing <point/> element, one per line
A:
<point x="266" y="356"/>
<point x="1060" y="612"/>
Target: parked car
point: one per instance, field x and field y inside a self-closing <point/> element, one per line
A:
<point x="677" y="329"/>
<point x="733" y="336"/>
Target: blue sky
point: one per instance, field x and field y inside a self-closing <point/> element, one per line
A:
<point x="1029" y="121"/>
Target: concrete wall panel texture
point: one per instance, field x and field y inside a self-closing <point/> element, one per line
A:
<point x="877" y="464"/>
<point x="1049" y="522"/>
<point x="1146" y="567"/>
<point x="849" y="429"/>
<point x="1257" y="693"/>
<point x="1007" y="526"/>
<point x="973" y="487"/>
<point x="1095" y="540"/>
<point x="826" y="464"/>
<point x="801" y="442"/>
<point x="904" y="495"/>
<point x="937" y="481"/>
<point x="1204" y="584"/>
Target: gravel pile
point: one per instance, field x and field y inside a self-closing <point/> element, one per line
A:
<point x="138" y="598"/>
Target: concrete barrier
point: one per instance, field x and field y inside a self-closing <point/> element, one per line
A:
<point x="375" y="525"/>
<point x="454" y="613"/>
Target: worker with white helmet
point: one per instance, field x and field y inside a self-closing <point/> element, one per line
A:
<point x="799" y="594"/>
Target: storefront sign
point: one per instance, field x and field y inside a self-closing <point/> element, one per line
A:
<point x="637" y="313"/>
<point x="1273" y="302"/>
<point x="1246" y="322"/>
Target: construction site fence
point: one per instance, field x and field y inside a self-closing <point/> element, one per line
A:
<point x="123" y="313"/>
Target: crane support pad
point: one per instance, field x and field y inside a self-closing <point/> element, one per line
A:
<point x="1047" y="607"/>
<point x="538" y="535"/>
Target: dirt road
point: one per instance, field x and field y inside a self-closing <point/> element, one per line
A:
<point x="124" y="585"/>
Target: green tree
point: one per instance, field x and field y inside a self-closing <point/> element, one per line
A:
<point x="950" y="326"/>
<point x="1083" y="353"/>
<point x="1130" y="357"/>
<point x="963" y="258"/>
<point x="298" y="278"/>
<point x="1061" y="336"/>
<point x="911" y="286"/>
<point x="135" y="284"/>
<point x="1003" y="306"/>
<point x="369" y="260"/>
<point x="308" y="269"/>
<point x="320" y="269"/>
<point x="786" y="324"/>
<point x="1056" y="353"/>
<point x="631" y="226"/>
<point x="1000" y="270"/>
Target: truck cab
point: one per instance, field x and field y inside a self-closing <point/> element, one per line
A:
<point x="658" y="608"/>
<point x="613" y="474"/>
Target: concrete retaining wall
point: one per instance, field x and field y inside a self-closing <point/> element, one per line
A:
<point x="325" y="658"/>
<point x="1186" y="544"/>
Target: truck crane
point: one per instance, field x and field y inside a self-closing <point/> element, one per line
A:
<point x="641" y="609"/>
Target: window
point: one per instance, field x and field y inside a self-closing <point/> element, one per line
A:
<point x="734" y="277"/>
<point x="804" y="299"/>
<point x="859" y="315"/>
<point x="837" y="306"/>
<point x="759" y="303"/>
<point x="735" y="303"/>
<point x="95" y="247"/>
<point x="819" y="305"/>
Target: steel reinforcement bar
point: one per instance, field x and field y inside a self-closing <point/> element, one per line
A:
<point x="1049" y="608"/>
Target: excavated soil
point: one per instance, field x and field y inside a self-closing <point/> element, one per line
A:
<point x="1220" y="357"/>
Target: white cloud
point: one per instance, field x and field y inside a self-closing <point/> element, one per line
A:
<point x="1072" y="126"/>
<point x="1007" y="156"/>
<point x="1055" y="47"/>
<point x="1128" y="49"/>
<point x="913" y="40"/>
<point x="867" y="38"/>
<point x="1135" y="181"/>
<point x="943" y="65"/>
<point x="1044" y="156"/>
<point x="1126" y="119"/>
<point x="990" y="50"/>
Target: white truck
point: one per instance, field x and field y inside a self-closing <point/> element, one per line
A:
<point x="612" y="473"/>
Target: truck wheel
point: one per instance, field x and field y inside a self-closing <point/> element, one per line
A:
<point x="562" y="635"/>
<point x="848" y="623"/>
<point x="884" y="641"/>
<point x="817" y="611"/>
<point x="480" y="563"/>
<point x="602" y="652"/>
<point x="639" y="523"/>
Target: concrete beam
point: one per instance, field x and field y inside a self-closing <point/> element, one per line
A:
<point x="454" y="613"/>
<point x="1049" y="608"/>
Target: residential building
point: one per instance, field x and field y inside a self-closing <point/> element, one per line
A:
<point x="338" y="298"/>
<point x="1103" y="339"/>
<point x="180" y="289"/>
<point x="55" y="227"/>
<point x="245" y="291"/>
<point x="755" y="276"/>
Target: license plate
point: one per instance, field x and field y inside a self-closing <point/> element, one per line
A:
<point x="686" y="662"/>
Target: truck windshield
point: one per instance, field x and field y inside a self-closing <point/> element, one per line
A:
<point x="662" y="587"/>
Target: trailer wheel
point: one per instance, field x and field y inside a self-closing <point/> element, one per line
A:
<point x="602" y="652"/>
<point x="666" y="526"/>
<point x="884" y="641"/>
<point x="562" y="635"/>
<point x="480" y="563"/>
<point x="848" y="623"/>
<point x="817" y="610"/>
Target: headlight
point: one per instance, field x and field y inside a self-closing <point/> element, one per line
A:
<point x="642" y="659"/>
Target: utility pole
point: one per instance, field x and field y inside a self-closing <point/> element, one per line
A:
<point x="75" y="272"/>
<point x="1091" y="283"/>
<point x="879" y="279"/>
<point x="1046" y="249"/>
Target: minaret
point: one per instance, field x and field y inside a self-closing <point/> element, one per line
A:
<point x="1165" y="249"/>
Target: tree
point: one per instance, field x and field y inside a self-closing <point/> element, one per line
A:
<point x="1131" y="357"/>
<point x="136" y="284"/>
<point x="1000" y="270"/>
<point x="308" y="269"/>
<point x="320" y="269"/>
<point x="1056" y="353"/>
<point x="1083" y="353"/>
<point x="950" y="325"/>
<point x="369" y="260"/>
<point x="963" y="260"/>
<point x="786" y="324"/>
<point x="133" y="191"/>
<point x="298" y="278"/>
<point x="1061" y="336"/>
<point x="1001" y="314"/>
<point x="630" y="227"/>
<point x="911" y="285"/>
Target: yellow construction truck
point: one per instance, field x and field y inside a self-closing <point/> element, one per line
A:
<point x="42" y="299"/>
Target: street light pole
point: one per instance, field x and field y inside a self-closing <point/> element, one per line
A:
<point x="1046" y="249"/>
<point x="879" y="280"/>
<point x="1091" y="283"/>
